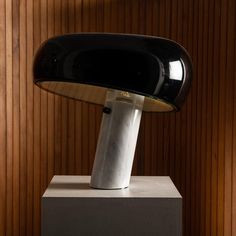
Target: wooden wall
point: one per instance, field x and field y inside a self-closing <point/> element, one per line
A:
<point x="42" y="134"/>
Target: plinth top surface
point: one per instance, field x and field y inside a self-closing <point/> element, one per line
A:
<point x="140" y="187"/>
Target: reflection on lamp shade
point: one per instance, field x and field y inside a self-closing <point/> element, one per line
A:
<point x="176" y="70"/>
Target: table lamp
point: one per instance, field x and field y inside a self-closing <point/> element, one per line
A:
<point x="124" y="73"/>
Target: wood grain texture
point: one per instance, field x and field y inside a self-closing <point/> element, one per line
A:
<point x="43" y="134"/>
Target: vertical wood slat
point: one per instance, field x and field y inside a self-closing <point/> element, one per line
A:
<point x="196" y="162"/>
<point x="29" y="119"/>
<point x="78" y="105"/>
<point x="64" y="101"/>
<point x="233" y="162"/>
<point x="3" y="121"/>
<point x="43" y="134"/>
<point x="23" y="112"/>
<point x="16" y="118"/>
<point x="71" y="104"/>
<point x="209" y="75"/>
<point x="57" y="105"/>
<point x="43" y="105"/>
<point x="51" y="99"/>
<point x="9" y="124"/>
<point x="204" y="72"/>
<point x="189" y="125"/>
<point x="222" y="117"/>
<point x="229" y="226"/>
<point x="215" y="121"/>
<point x="36" y="126"/>
<point x="230" y="163"/>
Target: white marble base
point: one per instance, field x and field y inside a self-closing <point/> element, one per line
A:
<point x="150" y="206"/>
<point x="117" y="141"/>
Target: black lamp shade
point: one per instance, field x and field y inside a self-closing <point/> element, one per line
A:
<point x="84" y="66"/>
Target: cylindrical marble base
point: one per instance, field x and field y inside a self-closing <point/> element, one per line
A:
<point x="117" y="140"/>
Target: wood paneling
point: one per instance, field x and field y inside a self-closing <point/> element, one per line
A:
<point x="43" y="134"/>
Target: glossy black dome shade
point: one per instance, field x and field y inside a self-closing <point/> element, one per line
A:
<point x="84" y="66"/>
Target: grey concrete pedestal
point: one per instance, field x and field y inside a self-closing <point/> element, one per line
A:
<point x="150" y="206"/>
